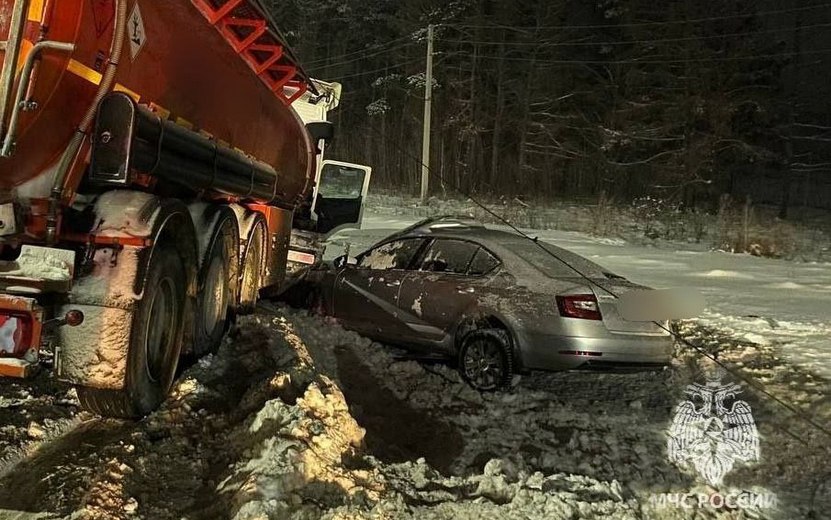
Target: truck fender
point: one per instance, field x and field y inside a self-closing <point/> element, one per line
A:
<point x="206" y="219"/>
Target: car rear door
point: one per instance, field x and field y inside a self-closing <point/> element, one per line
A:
<point x="446" y="283"/>
<point x="366" y="295"/>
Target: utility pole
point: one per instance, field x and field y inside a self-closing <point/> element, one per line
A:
<point x="428" y="117"/>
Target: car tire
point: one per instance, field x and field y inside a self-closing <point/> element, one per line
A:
<point x="486" y="360"/>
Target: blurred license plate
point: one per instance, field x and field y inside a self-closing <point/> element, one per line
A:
<point x="301" y="258"/>
<point x="661" y="305"/>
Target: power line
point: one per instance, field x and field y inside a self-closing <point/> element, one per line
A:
<point x="754" y="384"/>
<point x="382" y="69"/>
<point x="369" y="55"/>
<point x="353" y="53"/>
<point x="643" y="24"/>
<point x="650" y="61"/>
<point x="632" y="42"/>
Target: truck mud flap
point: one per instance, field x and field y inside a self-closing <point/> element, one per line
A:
<point x="94" y="354"/>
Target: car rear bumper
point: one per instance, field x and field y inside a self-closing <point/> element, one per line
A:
<point x="549" y="352"/>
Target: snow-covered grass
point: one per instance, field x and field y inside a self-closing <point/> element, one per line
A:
<point x="806" y="237"/>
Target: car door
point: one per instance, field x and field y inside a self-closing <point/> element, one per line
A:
<point x="444" y="286"/>
<point x="365" y="297"/>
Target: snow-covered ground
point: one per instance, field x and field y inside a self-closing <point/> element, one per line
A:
<point x="296" y="418"/>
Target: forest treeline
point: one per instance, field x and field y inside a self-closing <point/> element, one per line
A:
<point x="679" y="99"/>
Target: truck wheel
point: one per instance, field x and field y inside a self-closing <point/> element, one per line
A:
<point x="252" y="270"/>
<point x="155" y="342"/>
<point x="215" y="297"/>
<point x="486" y="360"/>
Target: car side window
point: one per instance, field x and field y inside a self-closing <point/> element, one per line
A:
<point x="393" y="255"/>
<point x="483" y="263"/>
<point x="448" y="256"/>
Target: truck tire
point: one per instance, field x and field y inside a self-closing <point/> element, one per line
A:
<point x="486" y="360"/>
<point x="155" y="342"/>
<point x="251" y="275"/>
<point x="215" y="299"/>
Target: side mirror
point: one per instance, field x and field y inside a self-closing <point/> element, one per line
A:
<point x="344" y="260"/>
<point x="321" y="131"/>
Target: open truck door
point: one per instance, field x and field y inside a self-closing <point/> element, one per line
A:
<point x="340" y="196"/>
<point x="339" y="201"/>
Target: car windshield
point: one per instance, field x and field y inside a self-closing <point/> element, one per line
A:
<point x="556" y="262"/>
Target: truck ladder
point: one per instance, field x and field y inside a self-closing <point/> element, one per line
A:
<point x="246" y="29"/>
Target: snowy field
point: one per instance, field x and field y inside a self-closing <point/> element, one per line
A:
<point x="296" y="418"/>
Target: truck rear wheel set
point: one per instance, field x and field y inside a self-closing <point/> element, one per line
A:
<point x="161" y="322"/>
<point x="216" y="293"/>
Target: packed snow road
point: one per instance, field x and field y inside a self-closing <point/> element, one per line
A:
<point x="297" y="418"/>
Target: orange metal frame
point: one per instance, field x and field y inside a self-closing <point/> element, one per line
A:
<point x="251" y="38"/>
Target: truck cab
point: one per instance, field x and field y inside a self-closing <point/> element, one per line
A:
<point x="339" y="195"/>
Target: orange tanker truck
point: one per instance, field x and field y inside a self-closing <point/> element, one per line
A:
<point x="150" y="167"/>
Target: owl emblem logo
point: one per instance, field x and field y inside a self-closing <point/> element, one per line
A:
<point x="712" y="431"/>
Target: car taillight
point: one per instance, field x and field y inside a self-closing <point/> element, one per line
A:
<point x="580" y="306"/>
<point x="15" y="334"/>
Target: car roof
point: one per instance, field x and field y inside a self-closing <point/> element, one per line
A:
<point x="511" y="247"/>
<point x="460" y="227"/>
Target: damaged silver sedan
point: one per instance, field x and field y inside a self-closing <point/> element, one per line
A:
<point x="496" y="303"/>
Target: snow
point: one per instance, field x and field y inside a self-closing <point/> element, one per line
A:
<point x="559" y="446"/>
<point x="297" y="447"/>
<point x="296" y="418"/>
<point x="274" y="426"/>
<point x="41" y="263"/>
<point x="125" y="213"/>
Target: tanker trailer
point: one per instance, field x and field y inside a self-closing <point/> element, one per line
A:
<point x="150" y="164"/>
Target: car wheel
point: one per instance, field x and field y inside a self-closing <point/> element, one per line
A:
<point x="486" y="361"/>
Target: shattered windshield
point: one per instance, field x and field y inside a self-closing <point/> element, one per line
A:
<point x="394" y="255"/>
